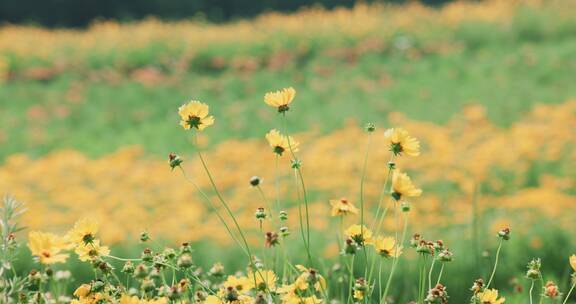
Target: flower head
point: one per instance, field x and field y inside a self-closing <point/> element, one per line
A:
<point x="91" y="251"/>
<point x="360" y="234"/>
<point x="280" y="143"/>
<point x="401" y="142"/>
<point x="194" y="114"/>
<point x="387" y="247"/>
<point x="83" y="232"/>
<point x="241" y="284"/>
<point x="265" y="280"/>
<point x="280" y="99"/>
<point x="47" y="247"/>
<point x="573" y="262"/>
<point x="402" y="186"/>
<point x="490" y="296"/>
<point x="342" y="207"/>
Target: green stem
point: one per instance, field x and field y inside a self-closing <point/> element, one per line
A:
<point x="495" y="263"/>
<point x="362" y="179"/>
<point x="569" y="293"/>
<point x="395" y="261"/>
<point x="430" y="273"/>
<point x="440" y="274"/>
<point x="530" y="292"/>
<point x="351" y="280"/>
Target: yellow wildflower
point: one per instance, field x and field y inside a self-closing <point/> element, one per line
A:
<point x="87" y="252"/>
<point x="82" y="291"/>
<point x="211" y="299"/>
<point x="265" y="280"/>
<point x="241" y="284"/>
<point x="83" y="232"/>
<point x="47" y="247"/>
<point x="490" y="296"/>
<point x="358" y="294"/>
<point x="573" y="261"/>
<point x="387" y="247"/>
<point x="281" y="143"/>
<point x="280" y="99"/>
<point x="126" y="299"/>
<point x="401" y="142"/>
<point x="195" y="115"/>
<point x="360" y="234"/>
<point x="342" y="207"/>
<point x="402" y="186"/>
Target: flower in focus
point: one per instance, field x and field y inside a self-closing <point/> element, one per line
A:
<point x="573" y="262"/>
<point x="401" y="142"/>
<point x="402" y="186"/>
<point x="194" y="114"/>
<point x="280" y="99"/>
<point x="281" y="143"/>
<point x="360" y="234"/>
<point x="47" y="247"/>
<point x="83" y="232"/>
<point x="88" y="252"/>
<point x="342" y="207"/>
<point x="490" y="296"/>
<point x="386" y="247"/>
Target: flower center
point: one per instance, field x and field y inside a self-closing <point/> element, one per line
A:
<point x="194" y="121"/>
<point x="88" y="238"/>
<point x="46" y="254"/>
<point x="279" y="150"/>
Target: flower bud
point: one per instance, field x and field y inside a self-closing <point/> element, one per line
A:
<point x="415" y="240"/>
<point x="255" y="181"/>
<point x="141" y="271"/>
<point x="169" y="253"/>
<point x="504" y="234"/>
<point x="445" y="256"/>
<point x="260" y="214"/>
<point x="147" y="255"/>
<point x="296" y="163"/>
<point x="405" y="207"/>
<point x="128" y="268"/>
<point x="370" y="127"/>
<point x="350" y="246"/>
<point x="185" y="261"/>
<point x="551" y="290"/>
<point x="391" y="165"/>
<point x="283" y="215"/>
<point x="144" y="237"/>
<point x="174" y="160"/>
<point x="284" y="232"/>
<point x="271" y="239"/>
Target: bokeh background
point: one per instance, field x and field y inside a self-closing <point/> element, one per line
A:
<point x="88" y="114"/>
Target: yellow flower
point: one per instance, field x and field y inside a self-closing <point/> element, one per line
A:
<point x="309" y="275"/>
<point x="88" y="252"/>
<point x="402" y="186"/>
<point x="280" y="99"/>
<point x="358" y="294"/>
<point x="573" y="261"/>
<point x="265" y="280"/>
<point x="281" y="143"/>
<point x="83" y="232"/>
<point x="82" y="291"/>
<point x="342" y="207"/>
<point x="401" y="142"/>
<point x="386" y="247"/>
<point x="126" y="299"/>
<point x="195" y="115"/>
<point x="241" y="284"/>
<point x="211" y="299"/>
<point x="360" y="234"/>
<point x="47" y="247"/>
<point x="490" y="296"/>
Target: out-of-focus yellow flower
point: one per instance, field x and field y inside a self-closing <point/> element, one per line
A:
<point x="386" y="247"/>
<point x="280" y="99"/>
<point x="402" y="186"/>
<point x="360" y="234"/>
<point x="47" y="247"/>
<point x="83" y="232"/>
<point x="211" y="299"/>
<point x="358" y="294"/>
<point x="126" y="299"/>
<point x="490" y="296"/>
<point x="280" y="143"/>
<point x="573" y="261"/>
<point x="265" y="280"/>
<point x="91" y="251"/>
<point x="82" y="291"/>
<point x="241" y="284"/>
<point x="342" y="207"/>
<point x="194" y="114"/>
<point x="401" y="143"/>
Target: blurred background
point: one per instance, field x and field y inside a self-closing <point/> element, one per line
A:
<point x="88" y="114"/>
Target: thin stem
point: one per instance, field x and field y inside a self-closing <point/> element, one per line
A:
<point x="430" y="273"/>
<point x="362" y="179"/>
<point x="530" y="292"/>
<point x="495" y="263"/>
<point x="569" y="292"/>
<point x="395" y="262"/>
<point x="440" y="274"/>
<point x="351" y="280"/>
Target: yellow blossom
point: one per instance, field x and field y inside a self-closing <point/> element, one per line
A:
<point x="573" y="261"/>
<point x="358" y="294"/>
<point x="265" y="280"/>
<point x="280" y="143"/>
<point x="241" y="284"/>
<point x="83" y="232"/>
<point x="402" y="186"/>
<point x="360" y="234"/>
<point x="280" y="99"/>
<point x="126" y="299"/>
<point x="47" y="247"/>
<point x="387" y="247"/>
<point x="211" y="299"/>
<point x="82" y="291"/>
<point x="194" y="114"/>
<point x="87" y="252"/>
<point x="401" y="143"/>
<point x="342" y="207"/>
<point x="490" y="296"/>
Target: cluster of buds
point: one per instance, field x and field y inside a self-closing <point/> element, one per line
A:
<point x="504" y="234"/>
<point x="360" y="289"/>
<point x="477" y="286"/>
<point x="437" y="295"/>
<point x="551" y="290"/>
<point x="271" y="239"/>
<point x="425" y="247"/>
<point x="533" y="272"/>
<point x="445" y="256"/>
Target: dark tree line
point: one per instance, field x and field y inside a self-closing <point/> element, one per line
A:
<point x="79" y="13"/>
